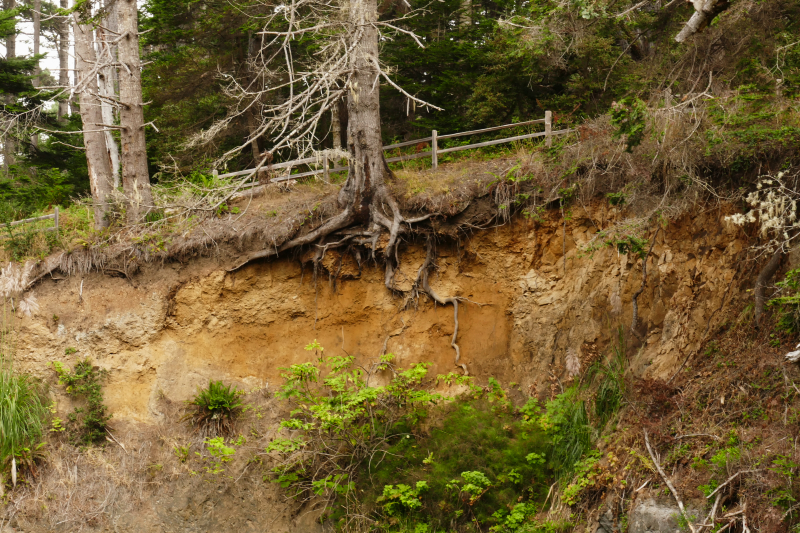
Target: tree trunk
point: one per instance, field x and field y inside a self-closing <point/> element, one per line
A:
<point x="9" y="144"/>
<point x="94" y="139"/>
<point x="135" y="176"/>
<point x="368" y="169"/>
<point x="705" y="12"/>
<point x="336" y="127"/>
<point x="106" y="87"/>
<point x="252" y="128"/>
<point x="37" y="35"/>
<point x="63" y="61"/>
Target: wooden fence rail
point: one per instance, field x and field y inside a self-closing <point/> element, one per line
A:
<point x="433" y="153"/>
<point x="54" y="216"/>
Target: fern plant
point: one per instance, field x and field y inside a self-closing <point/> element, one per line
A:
<point x="214" y="408"/>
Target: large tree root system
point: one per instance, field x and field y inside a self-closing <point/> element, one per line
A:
<point x="360" y="225"/>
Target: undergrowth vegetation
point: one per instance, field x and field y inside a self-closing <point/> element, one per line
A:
<point x="86" y="424"/>
<point x="389" y="454"/>
<point x="23" y="412"/>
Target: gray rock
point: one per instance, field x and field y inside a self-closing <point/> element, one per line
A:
<point x="606" y="524"/>
<point x="650" y="516"/>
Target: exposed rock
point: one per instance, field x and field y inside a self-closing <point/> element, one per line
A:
<point x="650" y="516"/>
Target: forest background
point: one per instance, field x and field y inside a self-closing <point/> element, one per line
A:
<point x="484" y="63"/>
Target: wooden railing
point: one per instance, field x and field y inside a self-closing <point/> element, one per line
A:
<point x="54" y="216"/>
<point x="433" y="153"/>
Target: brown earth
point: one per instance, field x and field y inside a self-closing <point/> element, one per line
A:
<point x="173" y="327"/>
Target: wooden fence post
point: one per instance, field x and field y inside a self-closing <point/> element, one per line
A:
<point x="548" y="128"/>
<point x="56" y="221"/>
<point x="434" y="148"/>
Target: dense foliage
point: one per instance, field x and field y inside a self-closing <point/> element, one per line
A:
<point x="87" y="423"/>
<point x="402" y="458"/>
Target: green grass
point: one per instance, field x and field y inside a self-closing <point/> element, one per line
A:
<point x="22" y="411"/>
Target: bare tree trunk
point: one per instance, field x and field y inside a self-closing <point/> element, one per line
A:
<point x="336" y="127"/>
<point x="63" y="61"/>
<point x="9" y="144"/>
<point x="93" y="139"/>
<point x="368" y="169"/>
<point x="705" y="12"/>
<point x="764" y="277"/>
<point x="252" y="129"/>
<point x="37" y="35"/>
<point x="135" y="176"/>
<point x="106" y="87"/>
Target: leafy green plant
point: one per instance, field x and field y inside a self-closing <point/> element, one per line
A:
<point x="788" y="305"/>
<point x="399" y="499"/>
<point x="220" y="454"/>
<point x="86" y="424"/>
<point x="342" y="419"/>
<point x="567" y="423"/>
<point x="471" y="486"/>
<point x="628" y="116"/>
<point x="214" y="408"/>
<point x="22" y="416"/>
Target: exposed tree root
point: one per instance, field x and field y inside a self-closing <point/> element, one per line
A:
<point x="635" y="299"/>
<point x="423" y="278"/>
<point x="366" y="215"/>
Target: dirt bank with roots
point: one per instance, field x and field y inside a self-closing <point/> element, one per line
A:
<point x="522" y="305"/>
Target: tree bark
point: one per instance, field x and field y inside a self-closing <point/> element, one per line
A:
<point x="94" y="139"/>
<point x="705" y="12"/>
<point x="106" y="86"/>
<point x="764" y="278"/>
<point x="368" y="169"/>
<point x="37" y="35"/>
<point x="252" y="129"/>
<point x="336" y="127"/>
<point x="63" y="61"/>
<point x="135" y="176"/>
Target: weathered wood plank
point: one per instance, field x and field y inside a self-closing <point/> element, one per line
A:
<point x="408" y="143"/>
<point x="495" y="128"/>
<point x="34" y="219"/>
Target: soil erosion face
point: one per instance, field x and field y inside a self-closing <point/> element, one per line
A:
<point x="172" y="328"/>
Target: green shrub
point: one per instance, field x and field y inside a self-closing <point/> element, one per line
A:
<point x="22" y="415"/>
<point x="214" y="408"/>
<point x="86" y="424"/>
<point x="788" y="305"/>
<point x="479" y="461"/>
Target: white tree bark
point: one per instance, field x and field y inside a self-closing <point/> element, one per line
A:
<point x="94" y="139"/>
<point x="63" y="60"/>
<point x="705" y="11"/>
<point x="106" y="87"/>
<point x="135" y="176"/>
<point x="37" y="35"/>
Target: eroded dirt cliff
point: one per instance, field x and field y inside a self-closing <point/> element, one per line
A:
<point x="174" y="327"/>
<point x="171" y="328"/>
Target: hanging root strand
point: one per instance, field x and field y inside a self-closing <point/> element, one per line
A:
<point x="426" y="287"/>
